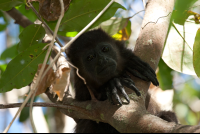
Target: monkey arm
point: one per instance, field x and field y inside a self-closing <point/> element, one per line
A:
<point x="141" y="69"/>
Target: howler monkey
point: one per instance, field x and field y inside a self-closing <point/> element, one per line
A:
<point x="103" y="62"/>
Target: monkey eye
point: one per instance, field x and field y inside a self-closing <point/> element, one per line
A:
<point x="105" y="49"/>
<point x="90" y="57"/>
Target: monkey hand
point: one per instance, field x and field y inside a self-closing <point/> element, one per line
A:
<point x="116" y="84"/>
<point x="142" y="70"/>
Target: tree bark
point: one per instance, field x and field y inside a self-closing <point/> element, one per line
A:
<point x="19" y="18"/>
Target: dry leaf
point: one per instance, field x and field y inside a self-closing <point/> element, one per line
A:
<point x="46" y="82"/>
<point x="50" y="9"/>
<point x="62" y="82"/>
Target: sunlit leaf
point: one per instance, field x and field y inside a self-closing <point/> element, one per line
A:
<point x="196" y="55"/>
<point x="21" y="70"/>
<point x="71" y="34"/>
<point x="8" y="4"/>
<point x="31" y="35"/>
<point x="3" y="67"/>
<point x="113" y="25"/>
<point x="178" y="54"/>
<point x="180" y="14"/>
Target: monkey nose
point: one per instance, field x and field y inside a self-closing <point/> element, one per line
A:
<point x="102" y="61"/>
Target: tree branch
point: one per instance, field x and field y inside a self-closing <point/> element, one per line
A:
<point x="19" y="18"/>
<point x="133" y="117"/>
<point x="152" y="36"/>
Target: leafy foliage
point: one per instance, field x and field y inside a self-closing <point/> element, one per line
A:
<point x="179" y="44"/>
<point x="113" y="25"/>
<point x="180" y="14"/>
<point x="164" y="76"/>
<point x="9" y="53"/>
<point x="196" y="55"/>
<point x="31" y="35"/>
<point x="6" y="5"/>
<point x="181" y="52"/>
<point x="21" y="70"/>
<point x="80" y="13"/>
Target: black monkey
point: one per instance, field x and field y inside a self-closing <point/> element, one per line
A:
<point x="103" y="62"/>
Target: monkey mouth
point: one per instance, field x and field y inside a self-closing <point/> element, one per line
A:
<point x="107" y="68"/>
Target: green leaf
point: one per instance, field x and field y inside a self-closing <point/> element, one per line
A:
<point x="28" y="13"/>
<point x="196" y="55"/>
<point x="113" y="25"/>
<point x="164" y="76"/>
<point x="9" y="4"/>
<point x="71" y="34"/>
<point x="81" y="12"/>
<point x="177" y="54"/>
<point x="21" y="70"/>
<point x="183" y="5"/>
<point x="2" y="68"/>
<point x="6" y="20"/>
<point x="24" y="115"/>
<point x="10" y="52"/>
<point x="31" y="35"/>
<point x="180" y="15"/>
<point x="2" y="27"/>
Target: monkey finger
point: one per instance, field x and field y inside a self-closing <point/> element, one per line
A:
<point x="152" y="79"/>
<point x="114" y="91"/>
<point x="130" y="85"/>
<point x="125" y="75"/>
<point x="109" y="95"/>
<point x="121" y="89"/>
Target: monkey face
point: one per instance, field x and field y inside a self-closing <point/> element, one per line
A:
<point x="100" y="61"/>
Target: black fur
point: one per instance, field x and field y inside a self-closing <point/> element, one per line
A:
<point x="88" y="55"/>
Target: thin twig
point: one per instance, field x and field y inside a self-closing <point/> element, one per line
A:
<point x="77" y="71"/>
<point x="39" y="104"/>
<point x="81" y="32"/>
<point x="19" y="18"/>
<point x="93" y="98"/>
<point x="144" y="3"/>
<point x="136" y="13"/>
<point x="46" y="57"/>
<point x="84" y="29"/>
<point x="45" y="24"/>
<point x="19" y="110"/>
<point x="41" y="75"/>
